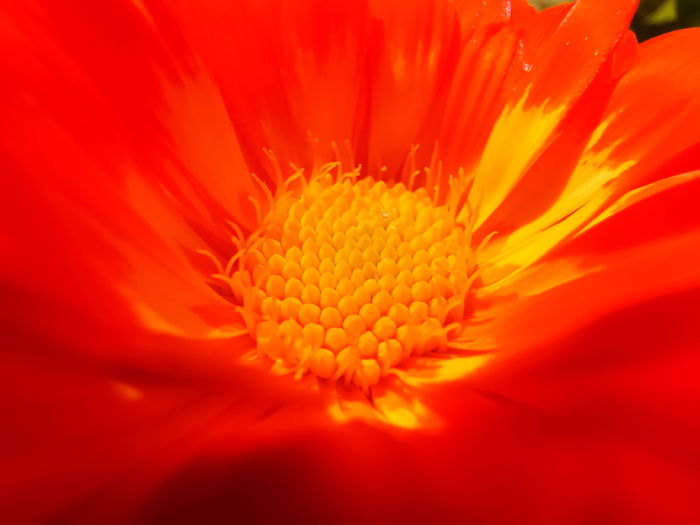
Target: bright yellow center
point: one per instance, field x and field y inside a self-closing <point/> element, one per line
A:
<point x="353" y="278"/>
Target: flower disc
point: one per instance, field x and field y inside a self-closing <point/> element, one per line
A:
<point x="351" y="278"/>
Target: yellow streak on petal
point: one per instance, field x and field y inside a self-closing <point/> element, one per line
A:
<point x="390" y="408"/>
<point x="226" y="332"/>
<point x="639" y="194"/>
<point x="407" y="411"/>
<point x="542" y="277"/>
<point x="518" y="136"/>
<point x="153" y="320"/>
<point x="162" y="286"/>
<point x="432" y="371"/>
<point x="403" y="412"/>
<point x="143" y="10"/>
<point x="585" y="194"/>
<point x="196" y="328"/>
<point x="127" y="391"/>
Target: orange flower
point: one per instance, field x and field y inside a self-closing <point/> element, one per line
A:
<point x="348" y="261"/>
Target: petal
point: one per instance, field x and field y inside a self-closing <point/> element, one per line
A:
<point x="646" y="128"/>
<point x="540" y="95"/>
<point x="641" y="138"/>
<point x="368" y="76"/>
<point x="647" y="249"/>
<point x="586" y="429"/>
<point x="87" y="434"/>
<point x="291" y="76"/>
<point x="425" y="47"/>
<point x="417" y="45"/>
<point x="540" y="187"/>
<point x="141" y="95"/>
<point x="616" y="396"/>
<point x="106" y="154"/>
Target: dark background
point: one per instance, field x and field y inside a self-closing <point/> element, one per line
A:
<point x="654" y="16"/>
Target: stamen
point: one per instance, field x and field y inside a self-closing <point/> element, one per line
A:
<point x="350" y="278"/>
<point x="266" y="191"/>
<point x="213" y="258"/>
<point x="258" y="209"/>
<point x="276" y="168"/>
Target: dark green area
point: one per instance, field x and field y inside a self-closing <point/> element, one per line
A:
<point x="654" y="17"/>
<point x="660" y="16"/>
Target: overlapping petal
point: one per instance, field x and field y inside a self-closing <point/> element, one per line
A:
<point x="581" y="430"/>
<point x="617" y="157"/>
<point x="644" y="251"/>
<point x="122" y="160"/>
<point x="122" y="157"/>
<point x="91" y="437"/>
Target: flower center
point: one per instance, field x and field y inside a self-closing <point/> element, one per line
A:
<point x="353" y="278"/>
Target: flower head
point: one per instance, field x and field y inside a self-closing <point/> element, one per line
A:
<point x="449" y="246"/>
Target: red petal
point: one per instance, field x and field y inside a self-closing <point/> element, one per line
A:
<point x="86" y="435"/>
<point x="286" y="72"/>
<point x="585" y="37"/>
<point x="592" y="429"/>
<point x="373" y="74"/>
<point x="642" y="137"/>
<point x="425" y="48"/>
<point x="415" y="54"/>
<point x="530" y="92"/>
<point x="654" y="113"/>
<point x="541" y="186"/>
<point x="107" y="159"/>
<point x="145" y="101"/>
<point x="645" y="250"/>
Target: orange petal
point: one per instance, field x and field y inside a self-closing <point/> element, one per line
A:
<point x="540" y="187"/>
<point x="291" y="76"/>
<point x="80" y="428"/>
<point x="373" y="74"/>
<point x="417" y="45"/>
<point x="648" y="249"/>
<point x="654" y="113"/>
<point x="105" y="154"/>
<point x="423" y="50"/>
<point x="593" y="423"/>
<point x="542" y="89"/>
<point x="641" y="137"/>
<point x="620" y="392"/>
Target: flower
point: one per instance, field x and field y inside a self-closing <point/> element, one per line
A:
<point x="160" y="162"/>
